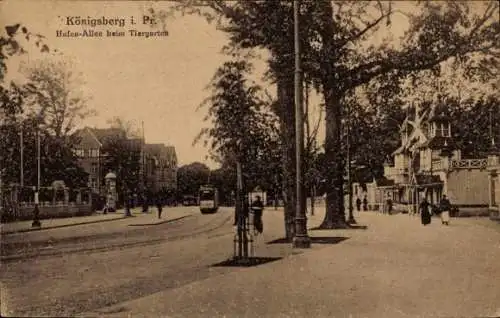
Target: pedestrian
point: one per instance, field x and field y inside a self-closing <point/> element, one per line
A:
<point x="445" y="207"/>
<point x="389" y="205"/>
<point x="144" y="203"/>
<point x="358" y="204"/>
<point x="159" y="205"/>
<point x="365" y="204"/>
<point x="257" y="208"/>
<point x="425" y="214"/>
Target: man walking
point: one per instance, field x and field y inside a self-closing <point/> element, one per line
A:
<point x="159" y="205"/>
<point x="358" y="204"/>
<point x="257" y="208"/>
<point x="445" y="207"/>
<point x="389" y="205"/>
<point x="365" y="204"/>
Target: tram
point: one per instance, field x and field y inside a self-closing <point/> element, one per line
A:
<point x="208" y="199"/>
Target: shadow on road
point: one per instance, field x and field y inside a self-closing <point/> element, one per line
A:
<point x="248" y="262"/>
<point x="351" y="227"/>
<point x="314" y="240"/>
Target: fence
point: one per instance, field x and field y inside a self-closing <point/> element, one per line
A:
<point x="17" y="203"/>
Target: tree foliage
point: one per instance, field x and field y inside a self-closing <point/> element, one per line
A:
<point x="338" y="57"/>
<point x="190" y="177"/>
<point x="57" y="160"/>
<point x="55" y="97"/>
<point x="243" y="127"/>
<point x="123" y="157"/>
<point x="127" y="126"/>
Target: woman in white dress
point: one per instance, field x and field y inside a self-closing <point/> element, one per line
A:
<point x="445" y="207"/>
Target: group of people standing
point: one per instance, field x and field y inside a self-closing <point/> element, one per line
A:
<point x="365" y="204"/>
<point x="158" y="201"/>
<point x="426" y="210"/>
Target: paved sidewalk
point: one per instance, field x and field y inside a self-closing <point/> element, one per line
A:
<point x="394" y="268"/>
<point x="149" y="218"/>
<point x="25" y="226"/>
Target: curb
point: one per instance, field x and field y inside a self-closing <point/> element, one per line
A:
<point x="63" y="225"/>
<point x="162" y="222"/>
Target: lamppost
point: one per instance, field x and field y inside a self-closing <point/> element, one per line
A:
<point x="36" y="211"/>
<point x="301" y="239"/>
<point x="21" y="144"/>
<point x="351" y="219"/>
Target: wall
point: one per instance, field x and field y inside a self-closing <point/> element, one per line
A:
<point x="53" y="211"/>
<point x="468" y="187"/>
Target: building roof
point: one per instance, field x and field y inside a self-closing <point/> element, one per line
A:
<point x="110" y="175"/>
<point x="103" y="133"/>
<point x="161" y="151"/>
<point x="440" y="112"/>
<point x="86" y="136"/>
<point x="401" y="149"/>
<point x="439" y="142"/>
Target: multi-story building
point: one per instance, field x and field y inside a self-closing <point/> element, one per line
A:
<point x="89" y="157"/>
<point x="161" y="167"/>
<point x="158" y="163"/>
<point x="428" y="164"/>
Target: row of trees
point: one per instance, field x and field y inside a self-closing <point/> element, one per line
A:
<point x="45" y="102"/>
<point x="340" y="62"/>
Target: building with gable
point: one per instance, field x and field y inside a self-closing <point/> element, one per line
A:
<point x="158" y="164"/>
<point x="161" y="167"/>
<point x="428" y="164"/>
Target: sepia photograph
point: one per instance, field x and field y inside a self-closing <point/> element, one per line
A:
<point x="249" y="158"/>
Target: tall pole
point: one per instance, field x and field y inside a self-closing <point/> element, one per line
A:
<point x="38" y="160"/>
<point x="143" y="176"/>
<point x="351" y="219"/>
<point x="22" y="156"/>
<point x="491" y="127"/>
<point x="36" y="212"/>
<point x="143" y="144"/>
<point x="241" y="216"/>
<point x="301" y="239"/>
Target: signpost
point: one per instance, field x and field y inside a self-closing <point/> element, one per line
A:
<point x="36" y="211"/>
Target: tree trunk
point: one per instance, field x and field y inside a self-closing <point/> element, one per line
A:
<point x="285" y="87"/>
<point x="313" y="197"/>
<point x="335" y="214"/>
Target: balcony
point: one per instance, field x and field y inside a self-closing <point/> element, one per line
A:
<point x="393" y="171"/>
<point x="469" y="164"/>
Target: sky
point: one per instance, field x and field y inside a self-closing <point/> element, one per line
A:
<point x="159" y="81"/>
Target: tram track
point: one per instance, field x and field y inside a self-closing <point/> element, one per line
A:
<point x="161" y="268"/>
<point x="115" y="243"/>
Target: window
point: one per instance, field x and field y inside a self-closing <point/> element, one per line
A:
<point x="93" y="169"/>
<point x="93" y="153"/>
<point x="80" y="153"/>
<point x="443" y="130"/>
